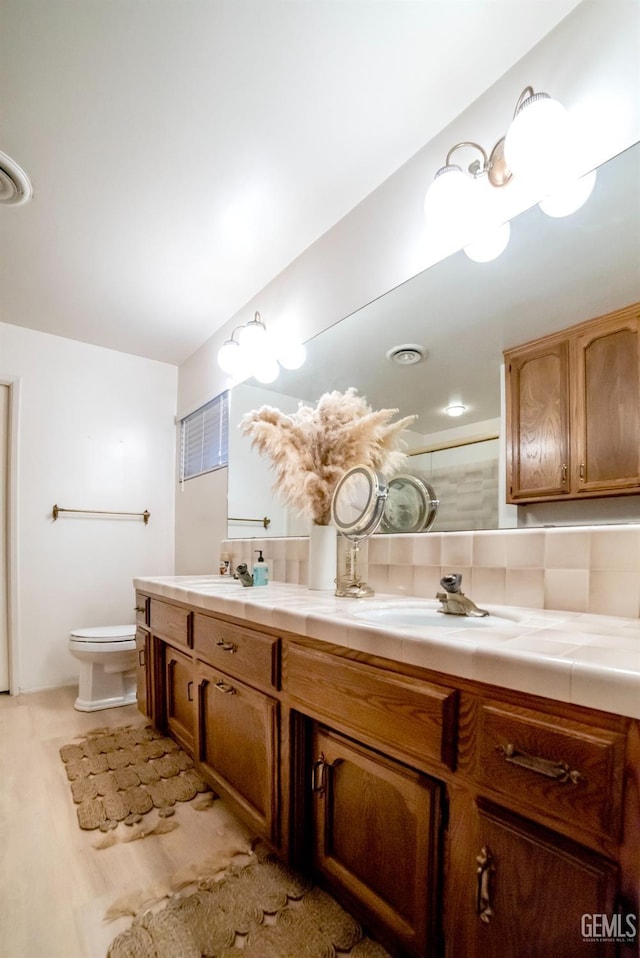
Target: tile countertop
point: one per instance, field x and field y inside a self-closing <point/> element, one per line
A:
<point x="591" y="660"/>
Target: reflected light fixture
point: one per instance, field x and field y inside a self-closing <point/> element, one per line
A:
<point x="538" y="149"/>
<point x="255" y="352"/>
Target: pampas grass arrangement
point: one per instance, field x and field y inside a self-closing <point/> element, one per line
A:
<point x="311" y="449"/>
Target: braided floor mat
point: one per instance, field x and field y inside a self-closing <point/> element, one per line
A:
<point x="120" y="774"/>
<point x="261" y="910"/>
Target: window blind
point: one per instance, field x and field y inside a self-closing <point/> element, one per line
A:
<point x="204" y="438"/>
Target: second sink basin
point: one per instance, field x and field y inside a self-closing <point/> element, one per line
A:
<point x="415" y="615"/>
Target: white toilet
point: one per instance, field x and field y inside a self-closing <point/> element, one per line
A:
<point x="107" y="656"/>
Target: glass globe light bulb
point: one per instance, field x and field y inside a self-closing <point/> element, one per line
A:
<point x="292" y="355"/>
<point x="450" y="206"/>
<point x="266" y="370"/>
<point x="489" y="245"/>
<point x="229" y="358"/>
<point x="570" y="197"/>
<point x="537" y="147"/>
<point x="252" y="337"/>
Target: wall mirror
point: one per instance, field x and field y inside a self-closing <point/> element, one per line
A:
<point x="553" y="274"/>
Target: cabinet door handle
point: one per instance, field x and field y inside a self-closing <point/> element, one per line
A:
<point x="142" y="656"/>
<point x="227" y="646"/>
<point x="483" y="878"/>
<point x="139" y="608"/>
<point x="224" y="687"/>
<point x="564" y="473"/>
<point x="189" y="690"/>
<point x="560" y="771"/>
<point x="318" y="775"/>
<point x="581" y="472"/>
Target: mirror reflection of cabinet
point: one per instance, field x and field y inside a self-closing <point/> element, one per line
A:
<point x="573" y="412"/>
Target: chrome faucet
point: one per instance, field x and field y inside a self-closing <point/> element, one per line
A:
<point x="243" y="574"/>
<point x="453" y="601"/>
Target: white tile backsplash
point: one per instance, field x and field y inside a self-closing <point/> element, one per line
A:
<point x="593" y="569"/>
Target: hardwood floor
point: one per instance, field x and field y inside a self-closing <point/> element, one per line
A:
<point x="55" y="886"/>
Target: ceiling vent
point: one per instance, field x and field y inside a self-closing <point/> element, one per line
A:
<point x="15" y="187"/>
<point x="407" y="354"/>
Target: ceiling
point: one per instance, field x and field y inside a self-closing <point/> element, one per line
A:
<point x="184" y="152"/>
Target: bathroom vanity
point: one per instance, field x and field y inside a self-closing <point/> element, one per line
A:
<point x="453" y="816"/>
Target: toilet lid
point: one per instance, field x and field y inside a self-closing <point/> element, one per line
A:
<point x="106" y="633"/>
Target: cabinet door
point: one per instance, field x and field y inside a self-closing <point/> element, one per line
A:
<point x="179" y="699"/>
<point x="238" y="746"/>
<point x="607" y="436"/>
<point x="537" y="433"/>
<point x="376" y="838"/>
<point x="534" y="890"/>
<point x="143" y="672"/>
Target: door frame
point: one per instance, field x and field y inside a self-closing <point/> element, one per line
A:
<point x="13" y="383"/>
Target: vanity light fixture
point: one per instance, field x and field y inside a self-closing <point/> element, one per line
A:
<point x="258" y="353"/>
<point x="538" y="149"/>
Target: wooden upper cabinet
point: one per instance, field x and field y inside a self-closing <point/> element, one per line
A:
<point x="538" y="421"/>
<point x="607" y="388"/>
<point x="573" y="411"/>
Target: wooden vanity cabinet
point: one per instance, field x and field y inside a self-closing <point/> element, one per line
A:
<point x="169" y="670"/>
<point x="237" y="746"/>
<point x="178" y="698"/>
<point x="532" y="889"/>
<point x="144" y="675"/>
<point x="573" y="412"/>
<point x="454" y="819"/>
<point x="144" y="658"/>
<point x="376" y="830"/>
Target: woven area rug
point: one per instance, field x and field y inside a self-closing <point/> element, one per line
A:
<point x="261" y="910"/>
<point x="120" y="774"/>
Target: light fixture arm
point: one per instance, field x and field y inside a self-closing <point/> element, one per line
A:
<point x="527" y="94"/>
<point x="475" y="168"/>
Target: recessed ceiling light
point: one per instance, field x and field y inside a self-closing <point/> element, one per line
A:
<point x="455" y="409"/>
<point x="407" y="354"/>
<point x="15" y="187"/>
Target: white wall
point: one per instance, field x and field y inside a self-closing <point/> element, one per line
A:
<point x="589" y="63"/>
<point x="95" y="430"/>
<point x="251" y="479"/>
<point x="201" y="523"/>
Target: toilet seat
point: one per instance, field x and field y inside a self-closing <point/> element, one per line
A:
<point x="104" y="638"/>
<point x="105" y="633"/>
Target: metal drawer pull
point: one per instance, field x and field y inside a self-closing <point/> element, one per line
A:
<point x="560" y="771"/>
<point x="139" y="608"/>
<point x="189" y="690"/>
<point x="483" y="873"/>
<point x="142" y="658"/>
<point x="225" y="687"/>
<point x="318" y="773"/>
<point x="227" y="646"/>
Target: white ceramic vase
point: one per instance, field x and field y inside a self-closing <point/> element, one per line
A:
<point x="323" y="557"/>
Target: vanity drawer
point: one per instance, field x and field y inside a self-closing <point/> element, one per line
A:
<point x="171" y="622"/>
<point x="558" y="766"/>
<point x="416" y="720"/>
<point x="240" y="652"/>
<point x="142" y="609"/>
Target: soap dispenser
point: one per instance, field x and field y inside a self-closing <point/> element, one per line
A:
<point x="260" y="570"/>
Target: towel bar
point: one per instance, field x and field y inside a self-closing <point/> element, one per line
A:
<point x="56" y="510"/>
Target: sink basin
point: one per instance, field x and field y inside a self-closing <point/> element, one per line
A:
<point x="416" y="616"/>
